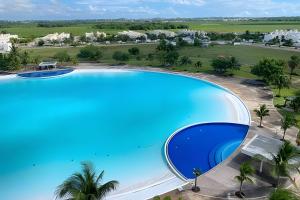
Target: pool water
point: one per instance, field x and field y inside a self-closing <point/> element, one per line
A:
<point x="203" y="146"/>
<point x="117" y="119"/>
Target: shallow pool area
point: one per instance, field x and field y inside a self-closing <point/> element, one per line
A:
<point x="203" y="146"/>
<point x="118" y="119"/>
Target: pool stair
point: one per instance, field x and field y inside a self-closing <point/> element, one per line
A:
<point x="221" y="152"/>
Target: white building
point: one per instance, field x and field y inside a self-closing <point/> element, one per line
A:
<point x="168" y="34"/>
<point x="90" y="36"/>
<point x="191" y="33"/>
<point x="293" y="35"/>
<point x="60" y="37"/>
<point x="93" y="36"/>
<point x="5" y="42"/>
<point x="189" y="40"/>
<point x="132" y="34"/>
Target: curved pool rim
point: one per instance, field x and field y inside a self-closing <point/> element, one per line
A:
<point x="173" y="167"/>
<point x="182" y="74"/>
<point x="46" y="73"/>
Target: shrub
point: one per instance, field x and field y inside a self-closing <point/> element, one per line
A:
<point x="62" y="56"/>
<point x="120" y="56"/>
<point x="222" y="64"/>
<point x="134" y="51"/>
<point x="90" y="53"/>
<point x="184" y="60"/>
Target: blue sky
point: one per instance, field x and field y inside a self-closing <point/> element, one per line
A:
<point x="107" y="9"/>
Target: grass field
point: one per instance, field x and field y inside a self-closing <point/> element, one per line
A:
<point x="30" y="30"/>
<point x="242" y="26"/>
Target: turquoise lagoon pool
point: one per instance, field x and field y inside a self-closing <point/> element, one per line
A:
<point x="117" y="119"/>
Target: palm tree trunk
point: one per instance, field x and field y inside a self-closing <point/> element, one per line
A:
<point x="278" y="178"/>
<point x="283" y="134"/>
<point x="241" y="185"/>
<point x="195" y="183"/>
<point x="260" y="121"/>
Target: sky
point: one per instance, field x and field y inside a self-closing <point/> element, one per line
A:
<point x="141" y="9"/>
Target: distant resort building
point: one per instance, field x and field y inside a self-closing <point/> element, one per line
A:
<point x="93" y="36"/>
<point x="55" y="37"/>
<point x="293" y="35"/>
<point x="168" y="34"/>
<point x="133" y="35"/>
<point x="192" y="33"/>
<point x="5" y="42"/>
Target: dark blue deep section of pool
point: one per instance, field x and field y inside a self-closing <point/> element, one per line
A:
<point x="204" y="146"/>
<point x="41" y="74"/>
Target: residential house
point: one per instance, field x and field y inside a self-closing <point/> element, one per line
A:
<point x="5" y="42"/>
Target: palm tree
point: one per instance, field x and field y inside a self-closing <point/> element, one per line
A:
<point x="85" y="185"/>
<point x="287" y="122"/>
<point x="197" y="173"/>
<point x="293" y="63"/>
<point x="283" y="194"/>
<point x="261" y="113"/>
<point x="281" y="81"/>
<point x="246" y="170"/>
<point x="284" y="161"/>
<point x="198" y="64"/>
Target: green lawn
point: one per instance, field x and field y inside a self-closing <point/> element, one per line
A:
<point x="242" y="26"/>
<point x="30" y="30"/>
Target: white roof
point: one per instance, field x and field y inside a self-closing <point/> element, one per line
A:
<point x="262" y="146"/>
<point x="265" y="147"/>
<point x="48" y="64"/>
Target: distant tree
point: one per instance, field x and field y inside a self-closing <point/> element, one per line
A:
<point x="170" y="58"/>
<point x="3" y="62"/>
<point x="25" y="58"/>
<point x="185" y="60"/>
<point x="295" y="104"/>
<point x="222" y="64"/>
<point x="293" y="64"/>
<point x="283" y="194"/>
<point x="90" y="52"/>
<point x="288" y="43"/>
<point x="62" y="56"/>
<point x="197" y="42"/>
<point x="36" y="60"/>
<point x="120" y="56"/>
<point x="261" y="113"/>
<point x="181" y="42"/>
<point x="164" y="46"/>
<point x="198" y="64"/>
<point x="287" y="122"/>
<point x="74" y="60"/>
<point x="41" y="43"/>
<point x="134" y="51"/>
<point x="268" y="69"/>
<point x="14" y="61"/>
<point x="246" y="170"/>
<point x="281" y="81"/>
<point x="150" y="57"/>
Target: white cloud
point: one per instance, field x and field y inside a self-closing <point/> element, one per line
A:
<point x="47" y="9"/>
